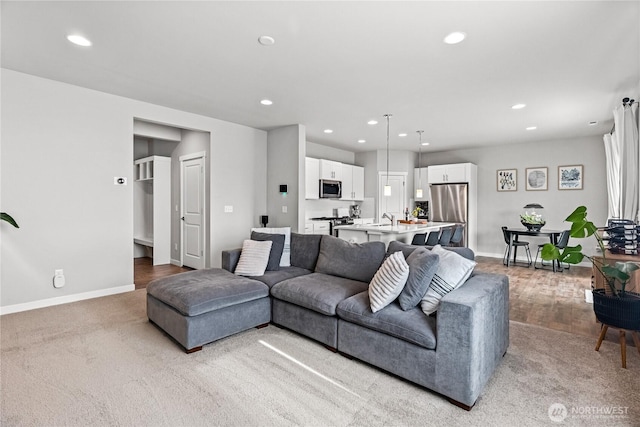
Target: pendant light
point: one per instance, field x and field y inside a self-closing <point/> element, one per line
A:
<point x="419" y="189"/>
<point x="387" y="188"/>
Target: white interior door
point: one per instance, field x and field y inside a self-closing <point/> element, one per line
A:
<point x="395" y="203"/>
<point x="193" y="211"/>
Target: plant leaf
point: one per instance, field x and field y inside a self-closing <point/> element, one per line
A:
<point x="572" y="255"/>
<point x="615" y="273"/>
<point x="579" y="215"/>
<point x="6" y="217"/>
<point x="549" y="252"/>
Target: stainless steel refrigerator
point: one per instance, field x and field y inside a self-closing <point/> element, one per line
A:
<point x="450" y="203"/>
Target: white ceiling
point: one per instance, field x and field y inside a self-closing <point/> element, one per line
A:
<point x="339" y="64"/>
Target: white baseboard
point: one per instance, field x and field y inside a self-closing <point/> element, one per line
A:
<point x="175" y="262"/>
<point x="65" y="299"/>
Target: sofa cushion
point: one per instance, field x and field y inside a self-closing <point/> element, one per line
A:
<point x="407" y="249"/>
<point x="285" y="261"/>
<point x="357" y="261"/>
<point x="412" y="325"/>
<point x="270" y="278"/>
<point x="453" y="271"/>
<point x="423" y="264"/>
<point x="277" y="245"/>
<point x="388" y="281"/>
<point x="318" y="292"/>
<point x="305" y="249"/>
<point x="254" y="258"/>
<point x="201" y="291"/>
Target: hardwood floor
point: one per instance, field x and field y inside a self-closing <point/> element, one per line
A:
<point x="537" y="297"/>
<point x="144" y="271"/>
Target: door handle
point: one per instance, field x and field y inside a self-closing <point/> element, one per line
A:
<point x="182" y="218"/>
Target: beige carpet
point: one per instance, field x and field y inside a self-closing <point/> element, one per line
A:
<point x="100" y="362"/>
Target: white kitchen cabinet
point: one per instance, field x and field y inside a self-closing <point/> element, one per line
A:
<point x="312" y="178"/>
<point x="330" y="169"/>
<point x="352" y="182"/>
<point x="421" y="180"/>
<point x="317" y="227"/>
<point x="152" y="206"/>
<point x="459" y="172"/>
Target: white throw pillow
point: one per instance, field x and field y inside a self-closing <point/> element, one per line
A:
<point x="285" y="260"/>
<point x="388" y="281"/>
<point x="253" y="258"/>
<point x="453" y="271"/>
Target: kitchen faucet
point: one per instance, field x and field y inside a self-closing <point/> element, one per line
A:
<point x="390" y="217"/>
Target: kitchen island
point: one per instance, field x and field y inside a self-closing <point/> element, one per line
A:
<point x="386" y="232"/>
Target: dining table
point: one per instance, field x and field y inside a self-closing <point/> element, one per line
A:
<point x="515" y="233"/>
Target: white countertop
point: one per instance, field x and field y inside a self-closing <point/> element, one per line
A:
<point x="395" y="229"/>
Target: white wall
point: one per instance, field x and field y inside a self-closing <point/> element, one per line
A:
<point x="318" y="151"/>
<point x="286" y="165"/>
<point x="497" y="209"/>
<point x="62" y="145"/>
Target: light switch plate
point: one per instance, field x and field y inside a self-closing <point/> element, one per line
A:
<point x="228" y="209"/>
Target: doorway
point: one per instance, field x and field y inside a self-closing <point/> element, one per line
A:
<point x="394" y="204"/>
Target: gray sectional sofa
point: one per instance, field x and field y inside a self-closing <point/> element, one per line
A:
<point x="453" y="353"/>
<point x="324" y="296"/>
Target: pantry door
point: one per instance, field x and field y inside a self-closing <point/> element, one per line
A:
<point x="192" y="231"/>
<point x="394" y="204"/>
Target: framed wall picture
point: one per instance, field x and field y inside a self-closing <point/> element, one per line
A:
<point x="536" y="179"/>
<point x="507" y="179"/>
<point x="570" y="177"/>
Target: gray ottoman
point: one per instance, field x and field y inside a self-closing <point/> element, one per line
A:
<point x="201" y="306"/>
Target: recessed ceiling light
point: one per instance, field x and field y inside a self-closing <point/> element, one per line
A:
<point x="266" y="102"/>
<point x="79" y="40"/>
<point x="402" y="134"/>
<point x="328" y="131"/>
<point x="455" y="37"/>
<point x="518" y="106"/>
<point x="593" y="123"/>
<point x="425" y="143"/>
<point x="372" y="122"/>
<point x="362" y="141"/>
<point x="532" y="128"/>
<point x="266" y="40"/>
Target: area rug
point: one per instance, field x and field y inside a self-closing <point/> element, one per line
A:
<point x="100" y="362"/>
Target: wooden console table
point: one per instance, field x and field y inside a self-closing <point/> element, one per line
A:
<point x="634" y="282"/>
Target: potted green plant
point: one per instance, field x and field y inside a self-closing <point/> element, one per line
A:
<point x="618" y="307"/>
<point x="6" y="217"/>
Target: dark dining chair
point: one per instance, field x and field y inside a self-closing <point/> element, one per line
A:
<point x="433" y="238"/>
<point x="445" y="236"/>
<point x="458" y="233"/>
<point x="563" y="241"/>
<point x="515" y="244"/>
<point x="419" y="239"/>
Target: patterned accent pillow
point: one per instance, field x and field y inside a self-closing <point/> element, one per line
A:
<point x="453" y="271"/>
<point x="285" y="260"/>
<point x="388" y="281"/>
<point x="253" y="258"/>
<point x="276" y="248"/>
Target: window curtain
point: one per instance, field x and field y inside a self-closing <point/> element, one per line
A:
<point x="622" y="161"/>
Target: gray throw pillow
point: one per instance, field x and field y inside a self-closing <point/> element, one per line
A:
<point x="423" y="264"/>
<point x="277" y="246"/>
<point x="356" y="261"/>
<point x="305" y="249"/>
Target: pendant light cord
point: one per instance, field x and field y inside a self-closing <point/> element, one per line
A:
<point x="387" y="116"/>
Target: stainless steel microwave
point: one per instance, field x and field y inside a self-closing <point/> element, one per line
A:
<point x="330" y="189"/>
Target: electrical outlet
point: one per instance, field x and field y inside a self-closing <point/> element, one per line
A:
<point x="58" y="278"/>
<point x="284" y="209"/>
